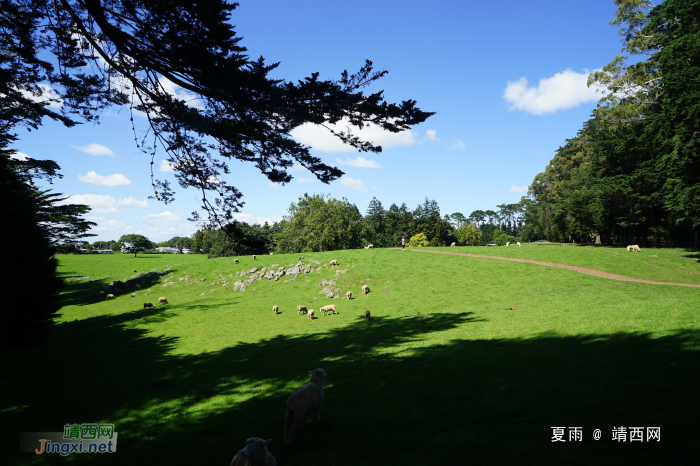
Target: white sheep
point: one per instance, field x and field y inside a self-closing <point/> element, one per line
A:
<point x="508" y="244"/>
<point x="109" y="296"/>
<point x="310" y="313"/>
<point x="334" y="262"/>
<point x="236" y="261"/>
<point x="275" y="309"/>
<point x="271" y="253"/>
<point x="162" y="300"/>
<point x="301" y="308"/>
<point x="365" y="289"/>
<point x="254" y="454"/>
<point x="633" y="247"/>
<point x="328" y="309"/>
<point x="367" y="314"/>
<point x="453" y="244"/>
<point x="519" y="244"/>
<point x="255" y="257"/>
<point x="369" y="246"/>
<point x="348" y="294"/>
<point x="303" y="402"/>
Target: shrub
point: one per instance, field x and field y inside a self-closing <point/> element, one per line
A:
<point x="419" y="241"/>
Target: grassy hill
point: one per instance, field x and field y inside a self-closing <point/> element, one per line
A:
<point x="466" y="360"/>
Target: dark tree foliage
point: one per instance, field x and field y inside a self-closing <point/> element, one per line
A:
<point x="29" y="286"/>
<point x="239" y="239"/>
<point x="133" y="243"/>
<point x="126" y="52"/>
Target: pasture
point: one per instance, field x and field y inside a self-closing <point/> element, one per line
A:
<point x="466" y="360"/>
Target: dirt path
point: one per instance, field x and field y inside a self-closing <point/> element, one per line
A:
<point x="597" y="273"/>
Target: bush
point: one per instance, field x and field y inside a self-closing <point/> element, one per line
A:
<point x="501" y="238"/>
<point x="419" y="241"/>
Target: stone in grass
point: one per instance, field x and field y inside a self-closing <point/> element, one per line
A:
<point x="202" y="295"/>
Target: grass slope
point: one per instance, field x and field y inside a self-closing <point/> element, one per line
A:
<point x="468" y="381"/>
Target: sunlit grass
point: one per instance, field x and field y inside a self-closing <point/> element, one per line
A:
<point x="501" y="352"/>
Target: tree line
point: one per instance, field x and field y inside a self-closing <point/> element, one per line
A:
<point x="631" y="175"/>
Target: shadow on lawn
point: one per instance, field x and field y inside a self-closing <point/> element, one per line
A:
<point x="461" y="402"/>
<point x="81" y="292"/>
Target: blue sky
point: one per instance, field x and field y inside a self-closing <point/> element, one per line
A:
<point x="506" y="79"/>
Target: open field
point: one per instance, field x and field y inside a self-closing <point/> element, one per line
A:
<point x="466" y="361"/>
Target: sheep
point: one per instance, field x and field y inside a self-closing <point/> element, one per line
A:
<point x="303" y="402"/>
<point x="301" y="308"/>
<point x="135" y="271"/>
<point x="348" y="294"/>
<point x="301" y="257"/>
<point x="271" y="253"/>
<point x="133" y="295"/>
<point x="138" y="287"/>
<point x="334" y="262"/>
<point x="254" y="454"/>
<point x="518" y="243"/>
<point x="453" y="245"/>
<point x="508" y="244"/>
<point x="162" y="300"/>
<point x="255" y="257"/>
<point x="633" y="247"/>
<point x="328" y="309"/>
<point x="236" y="261"/>
<point x="310" y="313"/>
<point x="109" y="296"/>
<point x="367" y="314"/>
<point x="369" y="246"/>
<point x="147" y="305"/>
<point x="275" y="309"/>
<point x="365" y="289"/>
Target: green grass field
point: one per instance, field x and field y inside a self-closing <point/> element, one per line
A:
<point x="466" y="361"/>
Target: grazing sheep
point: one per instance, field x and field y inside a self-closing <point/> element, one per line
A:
<point x="334" y="262"/>
<point x="301" y="308"/>
<point x="301" y="257"/>
<point x="508" y="244"/>
<point x="255" y="257"/>
<point x="310" y="313"/>
<point x="348" y="294"/>
<point x="147" y="305"/>
<point x="303" y="402"/>
<point x="271" y="253"/>
<point x="135" y="271"/>
<point x="109" y="296"/>
<point x="369" y="246"/>
<point x="367" y="314"/>
<point x="162" y="300"/>
<point x="328" y="309"/>
<point x="138" y="287"/>
<point x="453" y="245"/>
<point x="633" y="247"/>
<point x="254" y="454"/>
<point x="365" y="289"/>
<point x="236" y="261"/>
<point x="518" y="244"/>
<point x="275" y="309"/>
<point x="133" y="295"/>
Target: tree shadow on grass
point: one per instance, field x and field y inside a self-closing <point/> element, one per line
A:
<point x="389" y="399"/>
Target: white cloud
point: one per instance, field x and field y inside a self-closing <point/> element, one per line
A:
<point x="431" y="135"/>
<point x="374" y="187"/>
<point x="353" y="183"/>
<point x="214" y="179"/>
<point x="272" y="184"/>
<point x="47" y="95"/>
<point x="166" y="166"/>
<point x="165" y="217"/>
<point x="19" y="156"/>
<point x="250" y="219"/>
<point x="518" y="189"/>
<point x="297" y="167"/>
<point x="95" y="149"/>
<point x="321" y="139"/>
<point x="563" y="90"/>
<point x="116" y="179"/>
<point x="104" y="203"/>
<point x="457" y="144"/>
<point x="541" y="152"/>
<point x="359" y="162"/>
<point x="307" y="180"/>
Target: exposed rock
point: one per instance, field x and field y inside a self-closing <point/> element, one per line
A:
<point x="253" y="270"/>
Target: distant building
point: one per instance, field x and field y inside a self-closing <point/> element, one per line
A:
<point x="186" y="251"/>
<point x="105" y="251"/>
<point x="167" y="250"/>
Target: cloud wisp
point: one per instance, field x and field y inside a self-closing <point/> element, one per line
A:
<point x="457" y="144"/>
<point x="562" y="91"/>
<point x="353" y="183"/>
<point x="104" y="203"/>
<point x="95" y="149"/>
<point x="518" y="189"/>
<point x="319" y="138"/>
<point x="359" y="162"/>
<point x="115" y="179"/>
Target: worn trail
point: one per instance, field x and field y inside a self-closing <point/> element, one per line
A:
<point x="597" y="273"/>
